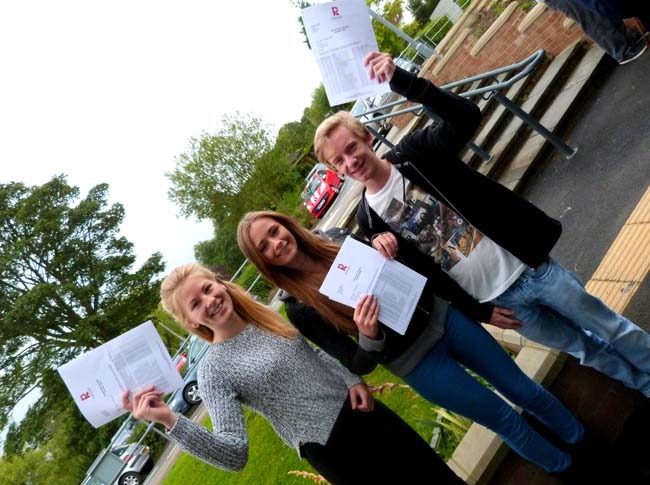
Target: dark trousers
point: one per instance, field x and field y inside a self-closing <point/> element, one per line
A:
<point x="376" y="447"/>
<point x="620" y="9"/>
<point x="631" y="8"/>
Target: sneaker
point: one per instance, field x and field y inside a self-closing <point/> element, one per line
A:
<point x="635" y="56"/>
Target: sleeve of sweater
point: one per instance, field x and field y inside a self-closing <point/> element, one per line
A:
<point x="339" y="345"/>
<point x="226" y="446"/>
<point x="458" y="117"/>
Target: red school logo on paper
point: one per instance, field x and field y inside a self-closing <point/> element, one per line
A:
<point x="84" y="396"/>
<point x="335" y="12"/>
<point x="342" y="267"/>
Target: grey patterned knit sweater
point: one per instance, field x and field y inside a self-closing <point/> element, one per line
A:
<point x="298" y="389"/>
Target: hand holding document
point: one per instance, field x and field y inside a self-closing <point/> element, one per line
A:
<point x="340" y="34"/>
<point x="133" y="360"/>
<point x="360" y="270"/>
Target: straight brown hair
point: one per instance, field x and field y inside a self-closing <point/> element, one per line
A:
<point x="301" y="284"/>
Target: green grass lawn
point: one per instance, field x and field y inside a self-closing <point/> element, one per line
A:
<point x="270" y="459"/>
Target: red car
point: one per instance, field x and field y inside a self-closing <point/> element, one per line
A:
<point x="322" y="187"/>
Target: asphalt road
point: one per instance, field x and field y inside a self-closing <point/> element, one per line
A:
<point x="594" y="193"/>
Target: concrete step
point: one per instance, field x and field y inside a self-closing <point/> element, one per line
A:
<point x="532" y="151"/>
<point x="545" y="86"/>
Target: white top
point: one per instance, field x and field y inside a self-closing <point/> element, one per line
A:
<point x="479" y="265"/>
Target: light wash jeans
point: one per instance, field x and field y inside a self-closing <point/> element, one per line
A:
<point x="441" y="379"/>
<point x="556" y="310"/>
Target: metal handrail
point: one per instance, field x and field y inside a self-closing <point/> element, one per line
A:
<point x="530" y="64"/>
<point x="527" y="66"/>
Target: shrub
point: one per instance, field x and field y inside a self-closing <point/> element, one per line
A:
<point x="262" y="287"/>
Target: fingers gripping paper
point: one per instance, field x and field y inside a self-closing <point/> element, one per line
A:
<point x="134" y="360"/>
<point x="360" y="270"/>
<point x="340" y="35"/>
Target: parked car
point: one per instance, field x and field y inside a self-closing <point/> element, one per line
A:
<point x="138" y="463"/>
<point x="188" y="395"/>
<point x="323" y="185"/>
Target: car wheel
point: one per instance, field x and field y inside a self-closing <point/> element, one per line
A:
<point x="191" y="393"/>
<point x="131" y="478"/>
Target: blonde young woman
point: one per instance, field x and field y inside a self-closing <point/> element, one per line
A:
<point x="314" y="404"/>
<point x="431" y="357"/>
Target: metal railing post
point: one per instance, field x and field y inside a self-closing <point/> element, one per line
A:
<point x="419" y="46"/>
<point x="484" y="155"/>
<point x="379" y="136"/>
<point x="565" y="149"/>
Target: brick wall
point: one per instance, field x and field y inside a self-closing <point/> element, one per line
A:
<point x="509" y="45"/>
<point x="506" y="47"/>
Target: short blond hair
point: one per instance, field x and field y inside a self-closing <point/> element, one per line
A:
<point x="342" y="118"/>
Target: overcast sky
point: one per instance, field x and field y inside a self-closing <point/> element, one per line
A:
<point x="112" y="91"/>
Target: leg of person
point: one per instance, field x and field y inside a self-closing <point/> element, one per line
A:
<point x="500" y="370"/>
<point x="440" y="379"/>
<point x="610" y="34"/>
<point x="388" y="438"/>
<point x="622" y="9"/>
<point x="557" y="311"/>
<point x="377" y="447"/>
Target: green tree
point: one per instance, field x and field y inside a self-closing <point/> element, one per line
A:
<point x="273" y="176"/>
<point x="421" y="9"/>
<point x="319" y="109"/>
<point x="66" y="283"/>
<point x="210" y="173"/>
<point x="64" y="452"/>
<point x="55" y="413"/>
<point x="393" y="12"/>
<point x="293" y="136"/>
<point x="221" y="250"/>
<point x="294" y="142"/>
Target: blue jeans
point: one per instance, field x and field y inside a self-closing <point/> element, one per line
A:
<point x="556" y="311"/>
<point x="441" y="379"/>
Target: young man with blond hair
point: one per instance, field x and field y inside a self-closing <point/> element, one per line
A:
<point x="475" y="239"/>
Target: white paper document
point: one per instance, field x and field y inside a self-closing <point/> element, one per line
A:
<point x="360" y="270"/>
<point x="340" y="34"/>
<point x="135" y="359"/>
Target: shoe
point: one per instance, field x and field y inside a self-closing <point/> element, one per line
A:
<point x="592" y="462"/>
<point x="635" y="56"/>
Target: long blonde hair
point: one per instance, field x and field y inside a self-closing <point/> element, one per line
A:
<point x="299" y="283"/>
<point x="250" y="310"/>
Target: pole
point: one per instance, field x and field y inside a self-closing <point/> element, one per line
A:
<point x="421" y="48"/>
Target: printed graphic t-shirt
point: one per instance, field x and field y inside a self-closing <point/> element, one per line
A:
<point x="479" y="265"/>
